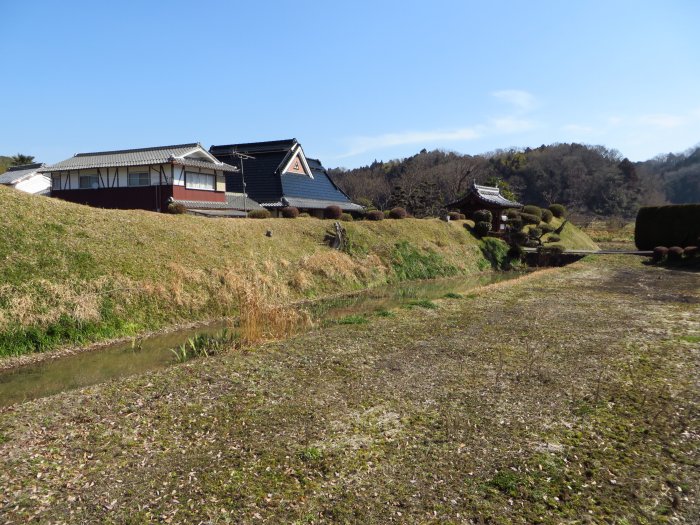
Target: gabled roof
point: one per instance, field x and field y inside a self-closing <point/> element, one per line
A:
<point x="178" y="154"/>
<point x="16" y="174"/>
<point x="488" y="195"/>
<point x="270" y="184"/>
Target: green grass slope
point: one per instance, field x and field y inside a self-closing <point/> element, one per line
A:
<point x="75" y="274"/>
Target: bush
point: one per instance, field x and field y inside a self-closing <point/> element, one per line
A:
<point x="397" y="213"/>
<point x="454" y="216"/>
<point x="290" y="212"/>
<point x="483" y="216"/>
<point x="660" y="253"/>
<point x="304" y="214"/>
<point x="553" y="238"/>
<point x="690" y="252"/>
<point x="677" y="225"/>
<point x="554" y="249"/>
<point x="259" y="214"/>
<point x="346" y="217"/>
<point x="519" y="237"/>
<point x="515" y="224"/>
<point x="512" y="213"/>
<point x="332" y="212"/>
<point x="375" y="215"/>
<point x="535" y="233"/>
<point x="557" y="210"/>
<point x="529" y="218"/>
<point x="516" y="252"/>
<point x="675" y="253"/>
<point x="547" y="216"/>
<point x="177" y="208"/>
<point x="533" y="210"/>
<point x="546" y="228"/>
<point x="482" y="228"/>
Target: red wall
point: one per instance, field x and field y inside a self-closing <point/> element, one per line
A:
<point x="182" y="193"/>
<point x="153" y="198"/>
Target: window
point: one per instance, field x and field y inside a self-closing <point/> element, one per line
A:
<point x="88" y="182"/>
<point x="200" y="181"/>
<point x="140" y="178"/>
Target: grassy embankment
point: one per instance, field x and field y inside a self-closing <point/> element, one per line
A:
<point x="570" y="396"/>
<point x="72" y="274"/>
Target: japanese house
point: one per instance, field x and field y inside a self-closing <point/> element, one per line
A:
<point x="278" y="174"/>
<point x="27" y="178"/>
<point x="148" y="179"/>
<point x="485" y="198"/>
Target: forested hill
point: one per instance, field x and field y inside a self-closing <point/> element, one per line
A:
<point x="588" y="179"/>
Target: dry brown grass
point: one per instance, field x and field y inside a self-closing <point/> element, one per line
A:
<point x="262" y="313"/>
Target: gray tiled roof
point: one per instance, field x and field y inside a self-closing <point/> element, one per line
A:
<point x="234" y="201"/>
<point x="314" y="204"/>
<point x="137" y="157"/>
<point x="16" y="174"/>
<point x="493" y="195"/>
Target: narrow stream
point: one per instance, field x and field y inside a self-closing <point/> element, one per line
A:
<point x="122" y="359"/>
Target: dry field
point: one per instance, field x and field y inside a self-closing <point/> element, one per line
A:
<point x="569" y="396"/>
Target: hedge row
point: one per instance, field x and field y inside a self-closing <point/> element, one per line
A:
<point x="676" y="225"/>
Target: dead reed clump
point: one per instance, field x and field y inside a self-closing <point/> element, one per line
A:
<point x="301" y="281"/>
<point x="332" y="265"/>
<point x="262" y="316"/>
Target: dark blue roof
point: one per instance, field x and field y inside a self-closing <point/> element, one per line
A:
<point x="321" y="187"/>
<point x="263" y="181"/>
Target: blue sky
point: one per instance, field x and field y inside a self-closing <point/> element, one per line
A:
<point x="353" y="81"/>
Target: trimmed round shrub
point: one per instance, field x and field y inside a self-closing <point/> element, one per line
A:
<point x="346" y="217"/>
<point x="259" y="214"/>
<point x="398" y="213"/>
<point x="386" y="214"/>
<point x="463" y="217"/>
<point x="375" y="215"/>
<point x="535" y="233"/>
<point x="533" y="210"/>
<point x="660" y="253"/>
<point x="304" y="214"/>
<point x="454" y="216"/>
<point x="512" y="213"/>
<point x="519" y="237"/>
<point x="690" y="252"/>
<point x="332" y="212"/>
<point x="675" y="253"/>
<point x="483" y="216"/>
<point x="290" y="212"/>
<point x="553" y="238"/>
<point x="482" y="228"/>
<point x="529" y="218"/>
<point x="547" y="216"/>
<point x="177" y="208"/>
<point x="515" y="224"/>
<point x="516" y="252"/>
<point x="546" y="228"/>
<point x="558" y="210"/>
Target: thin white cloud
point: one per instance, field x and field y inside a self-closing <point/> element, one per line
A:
<point x="521" y="100"/>
<point x="663" y="120"/>
<point x="508" y="124"/>
<point x="363" y="144"/>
